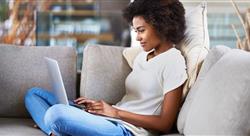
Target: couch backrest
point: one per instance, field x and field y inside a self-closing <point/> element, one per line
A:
<point x="214" y="55"/>
<point x="104" y="72"/>
<point x="22" y="68"/>
<point x="218" y="103"/>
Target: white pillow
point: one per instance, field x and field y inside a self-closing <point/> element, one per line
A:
<point x="213" y="56"/>
<point x="221" y="103"/>
<point x="130" y="54"/>
<point x="194" y="46"/>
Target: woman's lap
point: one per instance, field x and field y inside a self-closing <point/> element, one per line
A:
<point x="68" y="120"/>
<point x="79" y="122"/>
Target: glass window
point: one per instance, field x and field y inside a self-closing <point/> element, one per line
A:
<point x="74" y="23"/>
<point x="221" y="15"/>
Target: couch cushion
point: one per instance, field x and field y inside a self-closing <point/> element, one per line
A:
<point x="104" y="72"/>
<point x="221" y="104"/>
<point x="24" y="67"/>
<point x="213" y="56"/>
<point x="195" y="44"/>
<point x="18" y="127"/>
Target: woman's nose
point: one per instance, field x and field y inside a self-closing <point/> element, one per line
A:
<point x="138" y="37"/>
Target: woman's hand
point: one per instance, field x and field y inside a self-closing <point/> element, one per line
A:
<point x="98" y="107"/>
<point x="84" y="101"/>
<point x="102" y="108"/>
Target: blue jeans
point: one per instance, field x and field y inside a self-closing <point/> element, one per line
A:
<point x="61" y="119"/>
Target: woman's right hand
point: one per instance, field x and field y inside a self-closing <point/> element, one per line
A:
<point x="98" y="107"/>
<point x="84" y="101"/>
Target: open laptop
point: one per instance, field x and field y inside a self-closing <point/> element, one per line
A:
<point x="58" y="88"/>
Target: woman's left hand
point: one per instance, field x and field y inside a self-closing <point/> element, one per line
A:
<point x="102" y="108"/>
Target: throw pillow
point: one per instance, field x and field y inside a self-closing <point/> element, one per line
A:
<point x="213" y="56"/>
<point x="130" y="53"/>
<point x="221" y="104"/>
<point x="195" y="44"/>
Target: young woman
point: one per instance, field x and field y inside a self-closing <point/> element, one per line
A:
<point x="153" y="88"/>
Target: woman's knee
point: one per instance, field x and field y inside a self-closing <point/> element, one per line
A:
<point x="32" y="91"/>
<point x="30" y="94"/>
<point x="54" y="114"/>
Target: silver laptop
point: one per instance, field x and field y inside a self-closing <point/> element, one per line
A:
<point x="57" y="84"/>
<point x="56" y="80"/>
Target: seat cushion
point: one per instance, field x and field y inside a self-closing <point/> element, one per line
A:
<point x="18" y="127"/>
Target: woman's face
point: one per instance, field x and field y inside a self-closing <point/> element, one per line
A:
<point x="146" y="34"/>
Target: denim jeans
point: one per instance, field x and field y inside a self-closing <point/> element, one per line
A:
<point x="61" y="119"/>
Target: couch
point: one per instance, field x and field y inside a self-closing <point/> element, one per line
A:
<point x="22" y="68"/>
<point x="217" y="104"/>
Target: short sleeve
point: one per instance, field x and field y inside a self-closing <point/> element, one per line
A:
<point x="174" y="75"/>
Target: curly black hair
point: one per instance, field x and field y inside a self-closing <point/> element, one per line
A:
<point x="166" y="16"/>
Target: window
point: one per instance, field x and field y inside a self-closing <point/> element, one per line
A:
<point x="74" y="23"/>
<point x="221" y="15"/>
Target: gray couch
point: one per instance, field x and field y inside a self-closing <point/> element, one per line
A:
<point x="22" y="68"/>
<point x="222" y="87"/>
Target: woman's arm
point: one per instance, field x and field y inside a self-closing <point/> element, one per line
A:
<point x="161" y="123"/>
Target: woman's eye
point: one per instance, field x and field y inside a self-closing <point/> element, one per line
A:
<point x="141" y="30"/>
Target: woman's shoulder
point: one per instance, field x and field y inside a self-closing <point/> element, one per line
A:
<point x="174" y="58"/>
<point x="173" y="54"/>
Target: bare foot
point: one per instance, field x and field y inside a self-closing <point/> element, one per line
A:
<point x="36" y="126"/>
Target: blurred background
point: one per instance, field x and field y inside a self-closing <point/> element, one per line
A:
<point x="221" y="15"/>
<point x="77" y="23"/>
<point x="74" y="23"/>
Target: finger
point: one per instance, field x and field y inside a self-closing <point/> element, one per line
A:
<point x="99" y="112"/>
<point x="79" y="99"/>
<point x="95" y="104"/>
<point x="85" y="101"/>
<point x="95" y="108"/>
<point x="91" y="111"/>
<point x="89" y="105"/>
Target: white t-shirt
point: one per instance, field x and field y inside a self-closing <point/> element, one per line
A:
<point x="149" y="81"/>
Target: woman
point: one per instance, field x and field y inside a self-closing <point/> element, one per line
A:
<point x="153" y="88"/>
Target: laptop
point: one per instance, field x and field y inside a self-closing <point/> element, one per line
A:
<point x="56" y="80"/>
